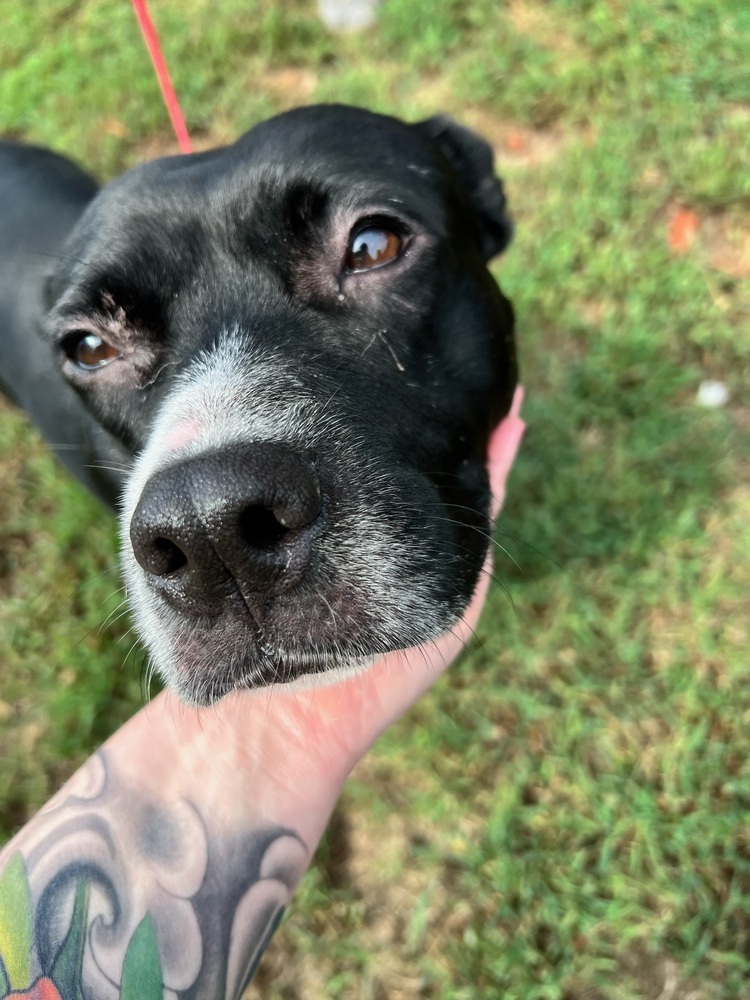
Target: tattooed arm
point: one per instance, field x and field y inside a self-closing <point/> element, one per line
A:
<point x="163" y="866"/>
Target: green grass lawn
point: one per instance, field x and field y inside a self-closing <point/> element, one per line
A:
<point x="566" y="816"/>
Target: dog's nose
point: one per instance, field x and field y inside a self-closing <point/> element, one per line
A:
<point x="239" y="519"/>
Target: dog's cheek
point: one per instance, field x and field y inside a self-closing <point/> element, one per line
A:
<point x="475" y="333"/>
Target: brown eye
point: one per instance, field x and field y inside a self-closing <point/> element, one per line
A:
<point x="371" y="247"/>
<point x="89" y="351"/>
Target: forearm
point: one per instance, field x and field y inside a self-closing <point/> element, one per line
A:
<point x="173" y="851"/>
<point x="170" y="855"/>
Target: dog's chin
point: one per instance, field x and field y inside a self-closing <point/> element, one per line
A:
<point x="200" y="688"/>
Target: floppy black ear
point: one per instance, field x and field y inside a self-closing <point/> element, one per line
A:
<point x="473" y="160"/>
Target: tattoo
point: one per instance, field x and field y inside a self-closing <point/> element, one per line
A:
<point x="115" y="896"/>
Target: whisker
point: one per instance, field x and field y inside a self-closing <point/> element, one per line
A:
<point x="502" y="585"/>
<point x="122" y="608"/>
<point x="127" y="655"/>
<point x="490" y="538"/>
<point x="149" y="675"/>
<point x="110" y="620"/>
<point x="501" y="527"/>
<point x="123" y="469"/>
<point x="93" y="581"/>
<point x="58" y="256"/>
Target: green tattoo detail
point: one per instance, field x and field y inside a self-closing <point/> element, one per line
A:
<point x="66" y="970"/>
<point x="16" y="925"/>
<point x="141" y="970"/>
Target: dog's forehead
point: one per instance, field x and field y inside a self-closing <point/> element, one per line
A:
<point x="352" y="155"/>
<point x="343" y="140"/>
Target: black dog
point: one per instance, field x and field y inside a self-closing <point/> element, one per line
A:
<point x="295" y="348"/>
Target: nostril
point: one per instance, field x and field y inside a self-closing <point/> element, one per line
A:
<point x="260" y="528"/>
<point x="165" y="557"/>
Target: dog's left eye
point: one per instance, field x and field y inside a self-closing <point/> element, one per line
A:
<point x="371" y="246"/>
<point x="89" y="351"/>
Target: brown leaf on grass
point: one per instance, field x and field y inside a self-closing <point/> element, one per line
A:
<point x="516" y="141"/>
<point x="682" y="229"/>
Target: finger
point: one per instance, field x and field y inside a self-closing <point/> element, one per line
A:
<point x="502" y="450"/>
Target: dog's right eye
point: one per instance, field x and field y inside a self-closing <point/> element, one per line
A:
<point x="88" y="350"/>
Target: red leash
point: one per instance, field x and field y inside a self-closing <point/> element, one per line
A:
<point x="162" y="74"/>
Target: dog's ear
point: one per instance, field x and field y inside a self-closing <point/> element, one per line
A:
<point x="472" y="158"/>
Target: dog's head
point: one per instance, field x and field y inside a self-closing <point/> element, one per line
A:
<point x="298" y="339"/>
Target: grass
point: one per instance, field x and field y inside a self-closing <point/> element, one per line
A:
<point x="565" y="816"/>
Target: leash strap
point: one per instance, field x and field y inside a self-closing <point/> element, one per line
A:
<point x="162" y="74"/>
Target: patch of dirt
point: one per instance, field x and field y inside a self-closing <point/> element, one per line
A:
<point x="385" y="890"/>
<point x="737" y="112"/>
<point x="725" y="244"/>
<point x="658" y="978"/>
<point x="395" y="906"/>
<point x="516" y="144"/>
<point x="292" y="84"/>
<point x="535" y="21"/>
<point x="594" y="312"/>
<point x="653" y="978"/>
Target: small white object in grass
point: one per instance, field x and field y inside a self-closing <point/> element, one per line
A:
<point x="713" y="394"/>
<point x="348" y="15"/>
